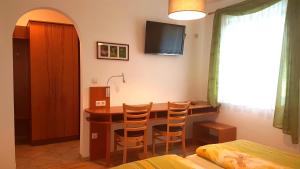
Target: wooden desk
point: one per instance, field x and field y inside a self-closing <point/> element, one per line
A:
<point x="101" y="121"/>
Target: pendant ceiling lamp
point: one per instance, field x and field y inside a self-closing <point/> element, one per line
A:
<point x="186" y="9"/>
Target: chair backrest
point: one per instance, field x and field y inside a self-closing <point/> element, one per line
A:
<point x="136" y="117"/>
<point x="177" y="113"/>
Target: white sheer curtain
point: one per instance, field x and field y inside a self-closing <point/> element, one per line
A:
<point x="250" y="57"/>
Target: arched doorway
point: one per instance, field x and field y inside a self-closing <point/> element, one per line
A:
<point x="46" y="88"/>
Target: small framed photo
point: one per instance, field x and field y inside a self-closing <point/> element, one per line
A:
<point x="123" y="51"/>
<point x="112" y="51"/>
<point x="104" y="50"/>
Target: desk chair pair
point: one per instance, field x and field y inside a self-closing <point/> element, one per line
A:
<point x="135" y="127"/>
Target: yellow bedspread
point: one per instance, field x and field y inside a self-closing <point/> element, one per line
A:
<point x="160" y="162"/>
<point x="242" y="154"/>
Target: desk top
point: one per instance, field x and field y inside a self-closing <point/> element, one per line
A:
<point x="156" y="107"/>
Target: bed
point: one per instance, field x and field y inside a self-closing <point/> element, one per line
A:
<point x="240" y="154"/>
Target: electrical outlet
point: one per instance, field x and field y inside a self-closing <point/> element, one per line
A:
<point x="100" y="103"/>
<point x="94" y="135"/>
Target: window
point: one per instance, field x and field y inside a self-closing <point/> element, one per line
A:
<point x="250" y="52"/>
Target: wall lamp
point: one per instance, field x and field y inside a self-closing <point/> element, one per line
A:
<point x="121" y="75"/>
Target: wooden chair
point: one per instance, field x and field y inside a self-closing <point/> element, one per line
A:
<point x="135" y="126"/>
<point x="174" y="130"/>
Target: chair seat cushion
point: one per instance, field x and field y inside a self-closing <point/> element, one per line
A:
<point x="120" y="132"/>
<point x="163" y="128"/>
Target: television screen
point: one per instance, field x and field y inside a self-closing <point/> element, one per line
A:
<point x="164" y="39"/>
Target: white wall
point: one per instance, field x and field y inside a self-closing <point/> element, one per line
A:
<point x="149" y="78"/>
<point x="255" y="126"/>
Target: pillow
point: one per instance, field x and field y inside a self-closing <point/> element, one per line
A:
<point x="233" y="159"/>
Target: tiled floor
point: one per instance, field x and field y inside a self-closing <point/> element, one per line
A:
<point x="66" y="156"/>
<point x="52" y="156"/>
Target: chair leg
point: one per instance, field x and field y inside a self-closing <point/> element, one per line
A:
<point x="183" y="144"/>
<point x="153" y="142"/>
<point x="171" y="144"/>
<point x="124" y="154"/>
<point x="125" y="149"/>
<point x="167" y="144"/>
<point x="145" y="147"/>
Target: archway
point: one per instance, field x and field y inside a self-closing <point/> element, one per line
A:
<point x="46" y="87"/>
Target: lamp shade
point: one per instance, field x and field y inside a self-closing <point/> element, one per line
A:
<point x="186" y="9"/>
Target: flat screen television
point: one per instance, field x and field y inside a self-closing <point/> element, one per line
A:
<point x="164" y="39"/>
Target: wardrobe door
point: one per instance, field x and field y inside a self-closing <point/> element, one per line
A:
<point x="41" y="78"/>
<point x="70" y="82"/>
<point x="55" y="44"/>
<point x="54" y="81"/>
<point x="67" y="83"/>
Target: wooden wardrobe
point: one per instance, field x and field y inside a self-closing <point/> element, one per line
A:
<point x="54" y="82"/>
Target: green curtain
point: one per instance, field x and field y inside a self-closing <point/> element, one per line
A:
<point x="287" y="109"/>
<point x="286" y="115"/>
<point x="242" y="8"/>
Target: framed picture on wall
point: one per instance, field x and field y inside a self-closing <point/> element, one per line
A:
<point x="112" y="51"/>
